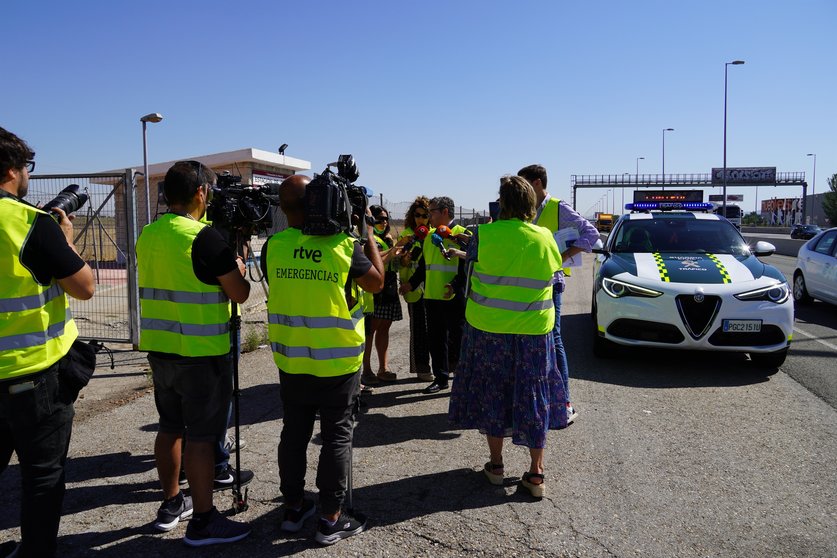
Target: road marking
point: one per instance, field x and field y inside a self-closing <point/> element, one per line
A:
<point x="815" y="338"/>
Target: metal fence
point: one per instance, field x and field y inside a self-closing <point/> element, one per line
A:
<point x="105" y="232"/>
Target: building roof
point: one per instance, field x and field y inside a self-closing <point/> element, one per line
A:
<point x="246" y="155"/>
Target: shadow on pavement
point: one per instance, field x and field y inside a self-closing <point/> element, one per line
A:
<point x="376" y="429"/>
<point x="817" y="312"/>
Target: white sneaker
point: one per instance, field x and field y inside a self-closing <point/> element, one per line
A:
<point x="571" y="415"/>
<point x="229" y="444"/>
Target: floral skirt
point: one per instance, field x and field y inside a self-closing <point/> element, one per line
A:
<point x="508" y="386"/>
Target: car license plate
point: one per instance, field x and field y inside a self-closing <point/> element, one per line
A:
<point x="742" y="326"/>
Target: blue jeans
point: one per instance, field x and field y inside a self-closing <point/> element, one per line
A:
<point x="560" y="353"/>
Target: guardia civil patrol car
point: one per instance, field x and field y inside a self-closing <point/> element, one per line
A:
<point x="674" y="275"/>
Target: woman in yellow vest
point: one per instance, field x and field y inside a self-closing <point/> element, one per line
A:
<point x="508" y="383"/>
<point x="387" y="303"/>
<point x="417" y="216"/>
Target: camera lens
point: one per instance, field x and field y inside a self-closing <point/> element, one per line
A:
<point x="69" y="200"/>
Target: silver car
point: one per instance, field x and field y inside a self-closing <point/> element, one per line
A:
<point x="816" y="269"/>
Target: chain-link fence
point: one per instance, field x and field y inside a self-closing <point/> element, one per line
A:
<point x="103" y="240"/>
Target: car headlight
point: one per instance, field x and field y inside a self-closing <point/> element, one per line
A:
<point x="778" y="293"/>
<point x="618" y="289"/>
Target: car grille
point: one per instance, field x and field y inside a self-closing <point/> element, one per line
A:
<point x="640" y="330"/>
<point x="769" y="335"/>
<point x="698" y="316"/>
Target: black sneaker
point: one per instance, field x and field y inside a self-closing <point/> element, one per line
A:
<point x="181" y="479"/>
<point x="295" y="518"/>
<point x="217" y="530"/>
<point x="226" y="478"/>
<point x="345" y="527"/>
<point x="172" y="512"/>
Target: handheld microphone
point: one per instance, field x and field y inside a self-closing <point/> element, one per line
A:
<point x="439" y="241"/>
<point x="419" y="235"/>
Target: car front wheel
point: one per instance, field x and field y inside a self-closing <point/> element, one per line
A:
<point x="800" y="292"/>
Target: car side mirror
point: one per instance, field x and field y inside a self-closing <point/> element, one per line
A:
<point x="763" y="248"/>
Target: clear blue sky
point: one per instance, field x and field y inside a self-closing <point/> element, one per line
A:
<point x="439" y="97"/>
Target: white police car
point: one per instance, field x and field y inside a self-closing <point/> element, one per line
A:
<point x="688" y="280"/>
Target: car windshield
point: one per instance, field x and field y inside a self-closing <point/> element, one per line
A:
<point x="663" y="234"/>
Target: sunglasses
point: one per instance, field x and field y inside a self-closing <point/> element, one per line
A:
<point x="30" y="166"/>
<point x="421" y="215"/>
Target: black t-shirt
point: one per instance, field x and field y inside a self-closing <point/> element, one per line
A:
<point x="46" y="253"/>
<point x="212" y="257"/>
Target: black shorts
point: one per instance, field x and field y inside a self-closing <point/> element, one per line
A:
<point x="193" y="394"/>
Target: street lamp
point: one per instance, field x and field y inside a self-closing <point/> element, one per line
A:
<point x="726" y="66"/>
<point x="153" y="117"/>
<point x="664" y="154"/>
<point x="813" y="190"/>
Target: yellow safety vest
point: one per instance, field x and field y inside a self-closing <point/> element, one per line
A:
<point x="179" y="313"/>
<point x="439" y="271"/>
<point x="405" y="272"/>
<point x="549" y="219"/>
<point x="36" y="325"/>
<point x="511" y="282"/>
<point x="311" y="328"/>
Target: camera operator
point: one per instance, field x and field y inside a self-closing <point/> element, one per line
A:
<point x="316" y="330"/>
<point x="39" y="265"/>
<point x="187" y="275"/>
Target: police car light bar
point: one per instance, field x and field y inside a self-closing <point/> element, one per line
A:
<point x="668" y="206"/>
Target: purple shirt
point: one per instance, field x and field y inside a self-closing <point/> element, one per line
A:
<point x="588" y="235"/>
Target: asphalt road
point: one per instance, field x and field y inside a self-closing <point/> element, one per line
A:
<point x="812" y="360"/>
<point x="674" y="454"/>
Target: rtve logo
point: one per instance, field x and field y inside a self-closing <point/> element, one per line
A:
<point x="302" y="254"/>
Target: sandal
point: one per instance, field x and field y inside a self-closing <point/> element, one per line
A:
<point x="536" y="490"/>
<point x="366" y="389"/>
<point x="493" y="478"/>
<point x="387" y="376"/>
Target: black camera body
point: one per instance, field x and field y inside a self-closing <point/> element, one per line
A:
<point x="331" y="199"/>
<point x="242" y="208"/>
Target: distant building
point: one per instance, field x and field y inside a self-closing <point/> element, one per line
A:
<point x="254" y="166"/>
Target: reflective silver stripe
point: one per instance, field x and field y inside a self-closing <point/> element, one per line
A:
<point x="186" y="297"/>
<point x="513" y="281"/>
<point x="511" y="304"/>
<point x="311" y="322"/>
<point x="442" y="267"/>
<point x="198" y="330"/>
<point x="317" y="354"/>
<point x="26" y="340"/>
<point x="30" y="302"/>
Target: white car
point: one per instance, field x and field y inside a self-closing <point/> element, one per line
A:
<point x="816" y="269"/>
<point x="688" y="280"/>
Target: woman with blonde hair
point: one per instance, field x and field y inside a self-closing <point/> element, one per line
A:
<point x="508" y="383"/>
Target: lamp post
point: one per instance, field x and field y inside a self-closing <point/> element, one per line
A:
<point x="813" y="190"/>
<point x="153" y="117"/>
<point x="664" y="154"/>
<point x="726" y="67"/>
